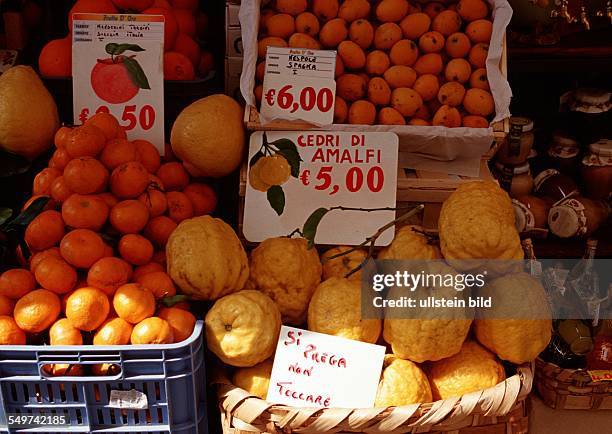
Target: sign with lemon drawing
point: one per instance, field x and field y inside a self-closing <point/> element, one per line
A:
<point x="118" y="69"/>
<point x="291" y="174"/>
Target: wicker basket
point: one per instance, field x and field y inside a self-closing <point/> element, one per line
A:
<point x="500" y="409"/>
<point x="571" y="389"/>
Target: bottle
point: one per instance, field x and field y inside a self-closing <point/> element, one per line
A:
<point x="553" y="184"/>
<point x="577" y="335"/>
<point x="558" y="352"/>
<point x="583" y="280"/>
<point x="515" y="149"/>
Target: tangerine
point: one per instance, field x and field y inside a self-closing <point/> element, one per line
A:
<point x="173" y="176"/>
<point x="87" y="308"/>
<point x="16" y="283"/>
<point x="45" y="230"/>
<point x="85" y="212"/>
<point x="181" y="322"/>
<point x="10" y="333"/>
<point x="135" y="249"/>
<point x="159" y="283"/>
<point x="108" y="274"/>
<point x="152" y="330"/>
<point x="129" y="180"/>
<point x="56" y="275"/>
<point x="37" y="310"/>
<point x="129" y="216"/>
<point x="85" y="175"/>
<point x="81" y="248"/>
<point x="149" y="155"/>
<point x="118" y="151"/>
<point x="133" y="303"/>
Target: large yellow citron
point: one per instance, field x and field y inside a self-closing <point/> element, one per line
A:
<point x="206" y="259"/>
<point x="28" y="114"/>
<point x="402" y="383"/>
<point x="208" y="136"/>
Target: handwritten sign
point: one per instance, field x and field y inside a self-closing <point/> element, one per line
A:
<point x="317" y="370"/>
<point x="291" y="174"/>
<point x="118" y="68"/>
<point x="299" y="85"/>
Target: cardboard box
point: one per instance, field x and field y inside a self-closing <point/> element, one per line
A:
<point x="233" y="45"/>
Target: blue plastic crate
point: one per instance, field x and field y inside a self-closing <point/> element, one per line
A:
<point x="171" y="376"/>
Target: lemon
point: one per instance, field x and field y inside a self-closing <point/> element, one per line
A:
<point x="255" y="379"/>
<point x="342" y="265"/>
<point x="473" y="368"/>
<point x="402" y="383"/>
<point x="409" y="243"/>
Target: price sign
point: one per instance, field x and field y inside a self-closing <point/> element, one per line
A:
<point x="299" y="85"/>
<point x="292" y="174"/>
<point x="318" y="370"/>
<point x="117" y="68"/>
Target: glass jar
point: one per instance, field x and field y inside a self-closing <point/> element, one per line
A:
<point x="517" y="181"/>
<point x="597" y="170"/>
<point x="577" y="335"/>
<point x="577" y="217"/>
<point x="564" y="153"/>
<point x="515" y="149"/>
<point x="590" y="115"/>
<point x="553" y="184"/>
<point x="530" y="212"/>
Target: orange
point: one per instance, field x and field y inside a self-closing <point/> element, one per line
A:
<point x="43" y="181"/>
<point x="479" y="79"/>
<point x="59" y="159"/>
<point x="45" y="230"/>
<point x="446" y="22"/>
<point x="478" y="102"/>
<point x="170" y="25"/>
<point x="61" y="137"/>
<point x="108" y="274"/>
<point x="377" y="62"/>
<point x="471" y="10"/>
<point x="391" y="10"/>
<point x="353" y="57"/>
<point x="159" y="229"/>
<point x="379" y="92"/>
<point x="390" y="116"/>
<point x="148" y="155"/>
<point x="59" y="190"/>
<point x="64" y="370"/>
<point x="129" y="216"/>
<point x="114" y="331"/>
<point x="55" y="59"/>
<point x="56" y="275"/>
<point x="414" y="25"/>
<point x="386" y="35"/>
<point x="404" y="52"/>
<point x="87" y="308"/>
<point x="85" y="141"/>
<point x="474" y="121"/>
<point x="85" y="212"/>
<point x="179" y="206"/>
<point x="427" y="86"/>
<point x="39" y="256"/>
<point x="133" y="303"/>
<point x="351" y="87"/>
<point x="325" y="10"/>
<point x="62" y="332"/>
<point x="451" y="93"/>
<point x="91" y="6"/>
<point x="173" y="176"/>
<point x="479" y="31"/>
<point x="430" y="63"/>
<point x="447" y="116"/>
<point x="362" y="112"/>
<point x="431" y="42"/>
<point x="118" y="151"/>
<point x="177" y="66"/>
<point x="16" y="283"/>
<point x="186" y="21"/>
<point x="458" y="70"/>
<point x="478" y="55"/>
<point x="458" y="45"/>
<point x="135" y="249"/>
<point x="147" y="268"/>
<point x="155" y="201"/>
<point x="181" y="322"/>
<point x="340" y="111"/>
<point x="159" y="283"/>
<point x="109" y="199"/>
<point x="400" y="76"/>
<point x="202" y="197"/>
<point x="6" y="305"/>
<point x="351" y="10"/>
<point x="333" y="32"/>
<point x="85" y="175"/>
<point x="37" y="310"/>
<point x="185" y="45"/>
<point x="10" y="333"/>
<point x="129" y="180"/>
<point x="155" y="182"/>
<point x="432" y="9"/>
<point x="81" y="248"/>
<point x="361" y="32"/>
<point x="280" y="25"/>
<point x="292" y="7"/>
<point x="406" y="101"/>
<point x="152" y="330"/>
<point x="107" y="123"/>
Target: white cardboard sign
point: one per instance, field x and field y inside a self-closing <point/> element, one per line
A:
<point x="117" y="64"/>
<point x="349" y="169"/>
<point x="299" y="85"/>
<point x="318" y="370"/>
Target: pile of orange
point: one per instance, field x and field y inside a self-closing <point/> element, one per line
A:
<point x="97" y="261"/>
<point x="184" y="25"/>
<point x="398" y="63"/>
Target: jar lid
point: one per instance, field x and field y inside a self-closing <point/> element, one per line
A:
<point x="543" y="176"/>
<point x="516" y="170"/>
<point x="567" y="219"/>
<point x="524" y="219"/>
<point x="582" y="345"/>
<point x="525" y="123"/>
<point x="563" y="140"/>
<point x="560" y="151"/>
<point x="591" y="101"/>
<point x="602" y="147"/>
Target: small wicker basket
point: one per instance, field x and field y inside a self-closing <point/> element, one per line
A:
<point x="571" y="389"/>
<point x="501" y="409"/>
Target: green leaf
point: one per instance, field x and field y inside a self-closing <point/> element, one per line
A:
<point x="309" y="231"/>
<point x="293" y="158"/>
<point x="29" y="214"/>
<point x="285" y="144"/>
<point x="116" y="49"/>
<point x="276" y="197"/>
<point x="255" y="158"/>
<point x="175" y="299"/>
<point x="136" y="73"/>
<point x="5" y="214"/>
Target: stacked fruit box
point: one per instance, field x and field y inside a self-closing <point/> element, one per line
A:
<point x="233" y="49"/>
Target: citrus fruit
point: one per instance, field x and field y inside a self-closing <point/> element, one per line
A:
<point x="255" y="380"/>
<point x="402" y="383"/>
<point x="87" y="308"/>
<point x="114" y="331"/>
<point x="16" y="283"/>
<point x="37" y="310"/>
<point x="181" y="322"/>
<point x="133" y="303"/>
<point x="10" y="333"/>
<point x="152" y="330"/>
<point x="62" y="332"/>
